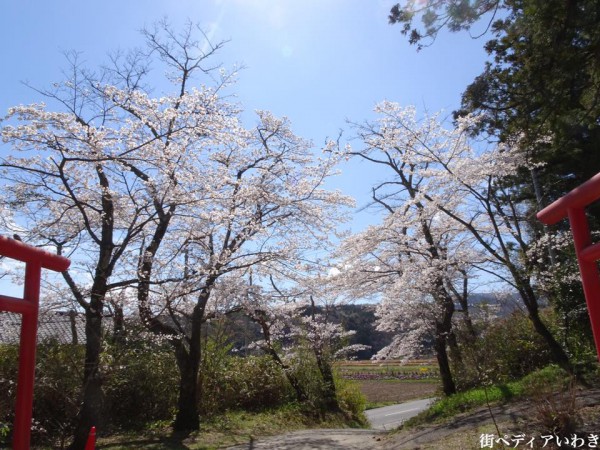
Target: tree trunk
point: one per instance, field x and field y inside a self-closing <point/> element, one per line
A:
<point x="188" y="361"/>
<point x="259" y="317"/>
<point x="187" y="418"/>
<point x="455" y="352"/>
<point x="445" y="336"/>
<point x="118" y="324"/>
<point x="444" y="364"/>
<point x="301" y="396"/>
<point x="91" y="413"/>
<point x="330" y="399"/>
<point x="559" y="356"/>
<point x="73" y="323"/>
<point x="463" y="299"/>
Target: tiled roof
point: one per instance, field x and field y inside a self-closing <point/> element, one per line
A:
<point x="63" y="327"/>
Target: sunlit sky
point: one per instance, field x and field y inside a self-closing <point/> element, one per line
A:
<point x="318" y="62"/>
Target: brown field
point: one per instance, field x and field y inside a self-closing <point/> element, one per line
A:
<point x="387" y="362"/>
<point x="388" y="391"/>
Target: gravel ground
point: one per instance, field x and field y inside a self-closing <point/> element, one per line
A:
<point x="319" y="440"/>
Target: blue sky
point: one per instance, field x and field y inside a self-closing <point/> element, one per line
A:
<point x="318" y="62"/>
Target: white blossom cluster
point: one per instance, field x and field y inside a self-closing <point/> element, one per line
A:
<point x="449" y="218"/>
<point x="171" y="193"/>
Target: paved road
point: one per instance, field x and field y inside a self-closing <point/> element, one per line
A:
<point x="346" y="439"/>
<point x="393" y="416"/>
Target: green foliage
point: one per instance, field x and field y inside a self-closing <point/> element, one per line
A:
<point x="57" y="391"/>
<point x="256" y="383"/>
<point x="229" y="382"/>
<point x="348" y="397"/>
<point x="506" y="350"/>
<point x="9" y="355"/>
<point x="351" y="400"/>
<point x="304" y="366"/>
<point x="543" y="83"/>
<point x="542" y="80"/>
<point x="543" y="385"/>
<point x="464" y="401"/>
<point x="435" y="15"/>
<point x="140" y="385"/>
<point x="549" y="379"/>
<point x="141" y="380"/>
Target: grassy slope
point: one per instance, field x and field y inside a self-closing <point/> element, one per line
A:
<point x="230" y="429"/>
<point x="544" y="402"/>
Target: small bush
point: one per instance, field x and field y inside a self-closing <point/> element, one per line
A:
<point x="141" y="380"/>
<point x="140" y="385"/>
<point x="351" y="400"/>
<point x="230" y="382"/>
<point x="59" y="371"/>
<point x="56" y="391"/>
<point x="558" y="412"/>
<point x="9" y="355"/>
<point x="507" y="350"/>
<point x="546" y="380"/>
<point x="305" y="368"/>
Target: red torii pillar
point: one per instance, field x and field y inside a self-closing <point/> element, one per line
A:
<point x="28" y="306"/>
<point x="573" y="205"/>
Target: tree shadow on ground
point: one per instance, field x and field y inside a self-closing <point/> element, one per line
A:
<point x="175" y="441"/>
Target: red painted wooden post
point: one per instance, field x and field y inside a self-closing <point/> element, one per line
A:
<point x="91" y="440"/>
<point x="573" y="206"/>
<point x="35" y="259"/>
<point x="29" y="321"/>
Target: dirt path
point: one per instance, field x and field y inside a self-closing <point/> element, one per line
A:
<point x="320" y="440"/>
<point x="463" y="429"/>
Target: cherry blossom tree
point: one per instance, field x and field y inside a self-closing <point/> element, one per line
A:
<point x="91" y="178"/>
<point x="417" y="259"/>
<point x="295" y="321"/>
<point x="169" y="196"/>
<point x="262" y="205"/>
<point x="466" y="214"/>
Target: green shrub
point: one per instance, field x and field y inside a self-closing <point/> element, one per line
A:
<point x="304" y="366"/>
<point x="141" y="380"/>
<point x="549" y="387"/>
<point x="140" y="385"/>
<point x="507" y="349"/>
<point x="59" y="371"/>
<point x="230" y="382"/>
<point x="56" y="391"/>
<point x="351" y="400"/>
<point x="549" y="379"/>
<point x="9" y="355"/>
<point x="348" y="396"/>
<point x="463" y="401"/>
